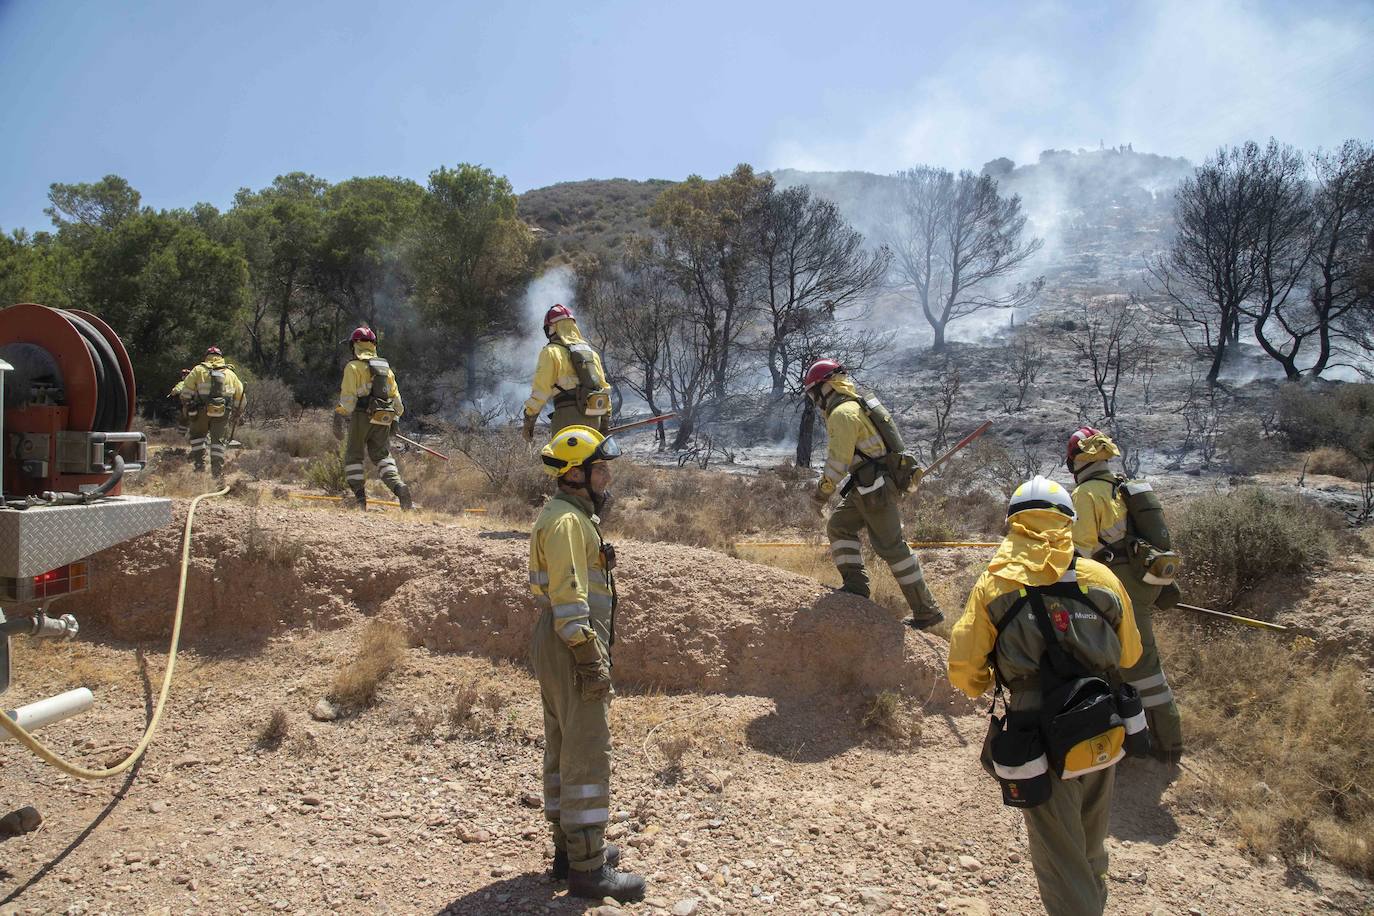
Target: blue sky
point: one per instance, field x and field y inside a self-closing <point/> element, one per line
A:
<point x="190" y="101"/>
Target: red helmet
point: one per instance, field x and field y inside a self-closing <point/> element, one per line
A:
<point x="820" y="371"/>
<point x="363" y="333"/>
<point x="213" y="351"/>
<point x="557" y="313"/>
<point x="1083" y="432"/>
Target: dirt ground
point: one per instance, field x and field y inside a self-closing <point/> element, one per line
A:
<point x="759" y="790"/>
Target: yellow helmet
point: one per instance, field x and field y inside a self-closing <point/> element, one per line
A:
<point x="575" y="446"/>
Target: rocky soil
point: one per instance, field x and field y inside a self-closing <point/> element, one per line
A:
<point x="746" y="780"/>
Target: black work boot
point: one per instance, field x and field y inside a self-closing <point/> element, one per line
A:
<point x="925" y="618"/>
<point x="403" y="494"/>
<point x="605" y="881"/>
<point x="560" y="861"/>
<point x="360" y="495"/>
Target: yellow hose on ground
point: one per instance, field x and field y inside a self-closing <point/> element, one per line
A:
<point x="909" y="544"/>
<point x="71" y="769"/>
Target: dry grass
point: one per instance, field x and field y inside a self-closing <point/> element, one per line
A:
<point x="1287" y="739"/>
<point x="887" y="717"/>
<point x="274" y="731"/>
<point x="1335" y="462"/>
<point x="1233" y="542"/>
<point x="379" y="652"/>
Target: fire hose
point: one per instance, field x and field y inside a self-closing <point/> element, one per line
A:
<point x="21" y="735"/>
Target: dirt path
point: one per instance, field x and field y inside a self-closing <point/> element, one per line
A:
<point x="780" y="801"/>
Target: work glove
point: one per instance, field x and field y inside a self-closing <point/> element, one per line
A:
<point x="339" y="426"/>
<point x="592" y="670"/>
<point x="528" y="429"/>
<point x="917" y="476"/>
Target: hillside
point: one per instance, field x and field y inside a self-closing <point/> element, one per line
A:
<point x="593" y="216"/>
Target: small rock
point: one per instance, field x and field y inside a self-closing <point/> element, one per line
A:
<point x="324" y="711"/>
<point x="17" y="823"/>
<point x="871" y="897"/>
<point x="687" y="907"/>
<point x="469" y="835"/>
<point x="606" y="910"/>
<point x="969" y="863"/>
<point x="379" y="833"/>
<point x="157" y="807"/>
<point x="530" y="800"/>
<point x="311" y="800"/>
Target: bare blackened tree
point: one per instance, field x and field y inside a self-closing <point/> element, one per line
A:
<point x="955" y="243"/>
<point x="814" y="272"/>
<point x="1283" y="250"/>
<point x="1211" y="268"/>
<point x="1343" y="224"/>
<point x="1108" y="339"/>
<point x="1027" y="356"/>
<point x="635" y="305"/>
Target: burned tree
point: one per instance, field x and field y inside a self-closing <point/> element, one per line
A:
<point x="1283" y="318"/>
<point x="955" y="243"/>
<point x="813" y="273"/>
<point x="1211" y="269"/>
<point x="708" y="231"/>
<point x="1109" y="340"/>
<point x="1343" y="231"/>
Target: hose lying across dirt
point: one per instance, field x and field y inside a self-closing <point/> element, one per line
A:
<point x="71" y="769"/>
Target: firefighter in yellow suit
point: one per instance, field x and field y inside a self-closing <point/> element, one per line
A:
<point x="368" y="410"/>
<point x="569" y="373"/>
<point x="212" y="397"/>
<point x="1102" y="522"/>
<point x="1067" y="833"/>
<point x="870" y="502"/>
<point x="572" y="581"/>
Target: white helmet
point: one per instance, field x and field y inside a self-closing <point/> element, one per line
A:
<point x="1041" y="493"/>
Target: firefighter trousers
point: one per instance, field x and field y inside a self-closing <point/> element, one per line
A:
<point x="877" y="512"/>
<point x="1067" y="837"/>
<point x="209" y="435"/>
<point x="569" y="415"/>
<point x="372" y="440"/>
<point x="1147" y="675"/>
<point x="577" y="753"/>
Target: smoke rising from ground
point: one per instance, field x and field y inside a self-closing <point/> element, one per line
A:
<point x="517" y="355"/>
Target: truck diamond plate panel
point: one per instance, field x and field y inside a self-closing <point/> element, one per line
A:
<point x="34" y="541"/>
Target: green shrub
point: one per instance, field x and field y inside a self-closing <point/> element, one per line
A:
<point x="327" y="473"/>
<point x="1231" y="542"/>
<point x="1324" y="415"/>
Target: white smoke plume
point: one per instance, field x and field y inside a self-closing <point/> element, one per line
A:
<point x="516" y="356"/>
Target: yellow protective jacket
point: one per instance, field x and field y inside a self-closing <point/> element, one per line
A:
<point x="555" y="373"/>
<point x="198" y="383"/>
<point x="1038" y="551"/>
<point x="852" y="436"/>
<point x="357" y="382"/>
<point x="1101" y="510"/>
<point x="568" y="570"/>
